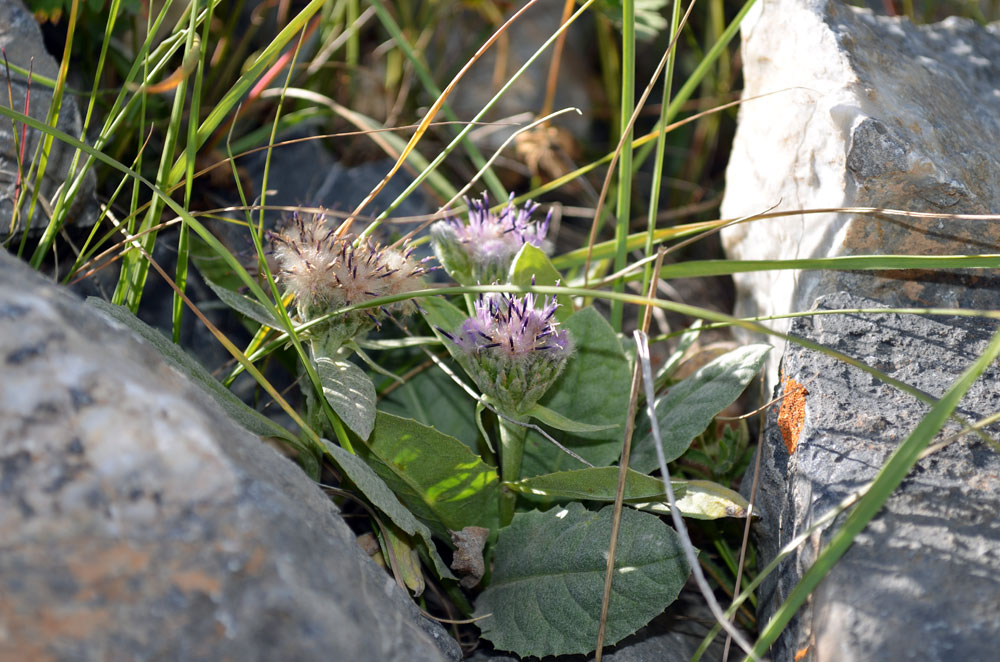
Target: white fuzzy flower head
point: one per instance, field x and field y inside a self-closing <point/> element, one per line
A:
<point x="325" y="272"/>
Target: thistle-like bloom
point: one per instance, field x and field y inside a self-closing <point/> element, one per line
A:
<point x="512" y="350"/>
<point x="325" y="272"/>
<point x="482" y="250"/>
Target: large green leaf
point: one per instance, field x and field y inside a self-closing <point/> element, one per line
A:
<point x="548" y="579"/>
<point x="596" y="484"/>
<point x="349" y="391"/>
<point x="689" y="406"/>
<point x="379" y="495"/>
<point x="432" y="398"/>
<point x="532" y="266"/>
<point x="593" y="390"/>
<point x="439" y="479"/>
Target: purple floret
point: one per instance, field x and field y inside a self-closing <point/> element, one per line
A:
<point x="482" y="250"/>
<point x="513" y="327"/>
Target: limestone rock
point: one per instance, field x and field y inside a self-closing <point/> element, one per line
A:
<point x="864" y="111"/>
<point x="21" y="39"/>
<point x="140" y="523"/>
<point x="922" y="581"/>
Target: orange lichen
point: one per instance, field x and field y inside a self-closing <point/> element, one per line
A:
<point x="801" y="654"/>
<point x="792" y="413"/>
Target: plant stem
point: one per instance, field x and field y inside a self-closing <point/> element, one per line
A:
<point x="512" y="438"/>
<point x="625" y="163"/>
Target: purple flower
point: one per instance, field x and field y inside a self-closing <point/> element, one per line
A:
<point x="513" y="350"/>
<point x="482" y="250"/>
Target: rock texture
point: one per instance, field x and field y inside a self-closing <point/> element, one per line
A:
<point x="922" y="582"/>
<point x="21" y="39"/>
<point x="871" y="111"/>
<point x="864" y="111"/>
<point x="139" y="523"/>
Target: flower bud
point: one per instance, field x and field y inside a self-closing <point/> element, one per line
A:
<point x="512" y="350"/>
<point x="482" y="250"/>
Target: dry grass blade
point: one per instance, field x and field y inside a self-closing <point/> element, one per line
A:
<point x="642" y="358"/>
<point x="623" y="470"/>
<point x="429" y="117"/>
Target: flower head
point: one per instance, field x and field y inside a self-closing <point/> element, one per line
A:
<point x="513" y="350"/>
<point x="482" y="250"/>
<point x="325" y="272"/>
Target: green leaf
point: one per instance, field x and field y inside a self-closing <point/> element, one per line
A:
<point x="592" y="390"/>
<point x="548" y="579"/>
<point x="211" y="265"/>
<point x="378" y="494"/>
<point x="674" y="360"/>
<point x="349" y="391"/>
<point x="244" y="305"/>
<point x="558" y="421"/>
<point x="702" y="499"/>
<point x="691" y="405"/>
<point x="432" y="398"/>
<point x="596" y="484"/>
<point x="439" y="479"/>
<point x="407" y="559"/>
<point x="532" y="263"/>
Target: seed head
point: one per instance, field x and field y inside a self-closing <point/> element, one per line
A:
<point x="482" y="250"/>
<point x="325" y="272"/>
<point x="513" y="350"/>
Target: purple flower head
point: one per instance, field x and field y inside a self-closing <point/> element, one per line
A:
<point x="513" y="350"/>
<point x="482" y="250"/>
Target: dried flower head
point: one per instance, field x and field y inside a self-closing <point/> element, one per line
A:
<point x="482" y="250"/>
<point x="325" y="272"/>
<point x="513" y="350"/>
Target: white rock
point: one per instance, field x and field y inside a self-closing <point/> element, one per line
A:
<point x="862" y="111"/>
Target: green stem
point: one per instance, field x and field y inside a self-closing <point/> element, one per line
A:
<point x="512" y="438"/>
<point x="625" y="162"/>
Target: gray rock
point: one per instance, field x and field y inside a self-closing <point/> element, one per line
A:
<point x="864" y="111"/>
<point x="922" y="581"/>
<point x="139" y="523"/>
<point x="21" y="39"/>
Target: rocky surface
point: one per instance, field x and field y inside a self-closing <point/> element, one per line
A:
<point x="21" y="39"/>
<point x="922" y="582"/>
<point x="139" y="523"/>
<point x="871" y="111"/>
<point x="864" y="111"/>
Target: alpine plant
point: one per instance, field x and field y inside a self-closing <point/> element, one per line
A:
<point x="481" y="251"/>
